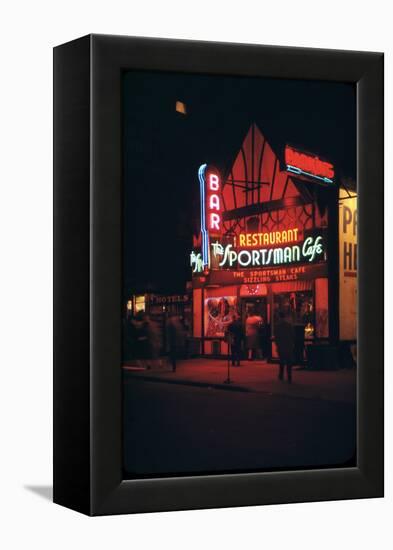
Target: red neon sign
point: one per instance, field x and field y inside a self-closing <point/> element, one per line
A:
<point x="213" y="202"/>
<point x="309" y="164"/>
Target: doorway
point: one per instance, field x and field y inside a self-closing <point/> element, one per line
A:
<point x="253" y="306"/>
<point x="257" y="306"/>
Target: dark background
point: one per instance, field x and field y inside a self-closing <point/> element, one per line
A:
<point x="163" y="150"/>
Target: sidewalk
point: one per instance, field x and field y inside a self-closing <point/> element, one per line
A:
<point x="257" y="376"/>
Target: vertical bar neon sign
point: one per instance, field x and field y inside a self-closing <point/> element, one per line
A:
<point x="209" y="184"/>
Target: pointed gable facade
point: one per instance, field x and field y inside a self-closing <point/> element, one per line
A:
<point x="254" y="188"/>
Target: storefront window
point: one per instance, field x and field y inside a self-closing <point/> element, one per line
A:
<point x="140" y="303"/>
<point x="218" y="314"/>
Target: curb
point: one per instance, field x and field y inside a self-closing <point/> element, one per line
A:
<point x="185" y="382"/>
<point x="228" y="387"/>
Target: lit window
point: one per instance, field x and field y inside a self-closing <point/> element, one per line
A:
<point x="140" y="303"/>
<point x="181" y="107"/>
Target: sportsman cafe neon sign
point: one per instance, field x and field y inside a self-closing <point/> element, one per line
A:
<point x="309" y="250"/>
<point x="248" y="249"/>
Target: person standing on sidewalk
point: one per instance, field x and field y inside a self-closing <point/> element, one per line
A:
<point x="153" y="342"/>
<point x="253" y="322"/>
<point x="235" y="338"/>
<point x="175" y="339"/>
<point x="141" y="347"/>
<point x="285" y="340"/>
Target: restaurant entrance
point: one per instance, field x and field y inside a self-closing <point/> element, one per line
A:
<point x="253" y="306"/>
<point x="257" y="306"/>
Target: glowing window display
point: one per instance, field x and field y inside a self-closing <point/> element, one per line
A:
<point x="218" y="314"/>
<point x="140" y="303"/>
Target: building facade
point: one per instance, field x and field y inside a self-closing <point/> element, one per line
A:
<point x="272" y="240"/>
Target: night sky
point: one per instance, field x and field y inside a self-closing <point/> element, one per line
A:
<point x="163" y="150"/>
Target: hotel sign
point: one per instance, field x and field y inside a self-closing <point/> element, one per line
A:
<point x="172" y="299"/>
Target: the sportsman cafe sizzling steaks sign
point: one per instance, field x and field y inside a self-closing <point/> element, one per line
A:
<point x="248" y="250"/>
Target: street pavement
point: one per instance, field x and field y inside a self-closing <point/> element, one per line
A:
<point x="258" y="376"/>
<point x="181" y="429"/>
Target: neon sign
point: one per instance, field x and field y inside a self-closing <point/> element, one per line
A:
<point x="211" y="223"/>
<point x="213" y="202"/>
<point x="266" y="239"/>
<point x="304" y="164"/>
<point x="309" y="251"/>
<point x="196" y="262"/>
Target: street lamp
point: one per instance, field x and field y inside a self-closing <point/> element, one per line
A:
<point x="228" y="378"/>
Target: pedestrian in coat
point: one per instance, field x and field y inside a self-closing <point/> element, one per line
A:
<point x="285" y="340"/>
<point x="253" y="323"/>
<point x="140" y="338"/>
<point x="175" y="339"/>
<point x="235" y="339"/>
<point x="153" y="342"/>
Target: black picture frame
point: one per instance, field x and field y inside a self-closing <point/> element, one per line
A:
<point x="88" y="275"/>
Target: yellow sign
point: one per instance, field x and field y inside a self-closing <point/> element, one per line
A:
<point x="348" y="267"/>
<point x="266" y="239"/>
